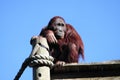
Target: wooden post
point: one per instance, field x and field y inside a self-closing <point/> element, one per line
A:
<point x="40" y="72"/>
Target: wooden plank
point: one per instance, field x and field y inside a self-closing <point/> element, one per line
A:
<point x="87" y="70"/>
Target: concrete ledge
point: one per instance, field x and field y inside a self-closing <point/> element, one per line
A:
<point x="87" y="70"/>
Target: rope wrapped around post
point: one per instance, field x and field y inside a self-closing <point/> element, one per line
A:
<point x="39" y="60"/>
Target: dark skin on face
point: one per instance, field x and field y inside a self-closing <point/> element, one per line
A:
<point x="59" y="28"/>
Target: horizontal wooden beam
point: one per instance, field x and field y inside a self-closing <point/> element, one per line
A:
<point x="87" y="70"/>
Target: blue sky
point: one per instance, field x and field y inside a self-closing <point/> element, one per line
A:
<point x="97" y="21"/>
